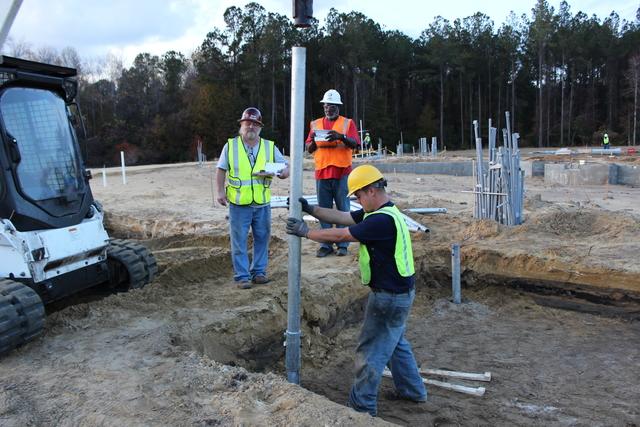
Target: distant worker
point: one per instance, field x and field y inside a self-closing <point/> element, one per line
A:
<point x="332" y="152"/>
<point x="386" y="266"/>
<point x="605" y="141"/>
<point x="367" y="141"/>
<point x="244" y="186"/>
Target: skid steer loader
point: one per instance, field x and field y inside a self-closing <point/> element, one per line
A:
<point x="52" y="239"/>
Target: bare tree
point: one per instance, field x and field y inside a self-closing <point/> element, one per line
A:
<point x="633" y="79"/>
<point x="19" y="49"/>
<point x="114" y="67"/>
<point x="69" y="58"/>
<point x="47" y="54"/>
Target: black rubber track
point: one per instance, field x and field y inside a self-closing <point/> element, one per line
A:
<point x="21" y="314"/>
<point x="126" y="270"/>
<point x="140" y="265"/>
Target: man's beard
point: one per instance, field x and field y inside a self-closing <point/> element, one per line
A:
<point x="251" y="135"/>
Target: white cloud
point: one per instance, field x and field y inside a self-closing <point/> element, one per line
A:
<point x="126" y="28"/>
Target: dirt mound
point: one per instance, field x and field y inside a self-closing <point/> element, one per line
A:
<point x="479" y="230"/>
<point x="583" y="222"/>
<point x="535" y="202"/>
<point x="128" y="226"/>
<point x="187" y="240"/>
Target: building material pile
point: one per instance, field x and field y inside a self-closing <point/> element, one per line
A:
<point x="499" y="190"/>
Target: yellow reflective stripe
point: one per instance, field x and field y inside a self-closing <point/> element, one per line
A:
<point x="235" y="166"/>
<point x="269" y="154"/>
<point x="239" y="182"/>
<point x="404" y="257"/>
<point x="405" y="251"/>
<point x="365" y="267"/>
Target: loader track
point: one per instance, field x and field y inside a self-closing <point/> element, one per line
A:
<point x="21" y="314"/>
<point x="132" y="266"/>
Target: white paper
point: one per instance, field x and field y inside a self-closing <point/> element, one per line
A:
<point x="321" y="135"/>
<point x="274" y="168"/>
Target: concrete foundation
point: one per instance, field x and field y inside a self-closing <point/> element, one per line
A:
<point x="629" y="175"/>
<point x="532" y="168"/>
<point x="576" y="174"/>
<point x="591" y="173"/>
<point x="429" y="168"/>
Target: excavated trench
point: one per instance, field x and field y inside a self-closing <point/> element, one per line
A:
<point x="505" y="325"/>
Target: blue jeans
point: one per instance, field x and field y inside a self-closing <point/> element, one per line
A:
<point x="240" y="219"/>
<point x="382" y="343"/>
<point x="328" y="191"/>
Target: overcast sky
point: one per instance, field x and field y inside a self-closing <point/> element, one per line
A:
<point x="128" y="27"/>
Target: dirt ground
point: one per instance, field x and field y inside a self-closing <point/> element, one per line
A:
<point x="191" y="349"/>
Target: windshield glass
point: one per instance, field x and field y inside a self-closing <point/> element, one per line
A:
<point x="38" y="121"/>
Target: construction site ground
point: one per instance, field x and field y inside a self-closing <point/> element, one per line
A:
<point x="551" y="308"/>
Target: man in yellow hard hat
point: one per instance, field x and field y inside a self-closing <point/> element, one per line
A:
<point x="386" y="266"/>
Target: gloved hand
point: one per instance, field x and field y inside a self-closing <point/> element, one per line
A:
<point x="311" y="147"/>
<point x="332" y="135"/>
<point x="349" y="143"/>
<point x="297" y="227"/>
<point x="306" y="207"/>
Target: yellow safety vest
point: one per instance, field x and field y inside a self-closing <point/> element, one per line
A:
<point x="403" y="252"/>
<point x="242" y="187"/>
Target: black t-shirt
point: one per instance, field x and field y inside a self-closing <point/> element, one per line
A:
<point x="378" y="232"/>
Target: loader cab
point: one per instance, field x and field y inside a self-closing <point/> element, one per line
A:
<point x="43" y="181"/>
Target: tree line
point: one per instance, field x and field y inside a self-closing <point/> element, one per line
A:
<point x="566" y="78"/>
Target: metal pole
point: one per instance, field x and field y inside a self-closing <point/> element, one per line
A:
<point x="296" y="150"/>
<point x="8" y="21"/>
<point x="104" y="176"/>
<point x="455" y="272"/>
<point x="124" y="174"/>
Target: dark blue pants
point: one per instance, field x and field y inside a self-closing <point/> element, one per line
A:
<point x="382" y="343"/>
<point x="330" y="191"/>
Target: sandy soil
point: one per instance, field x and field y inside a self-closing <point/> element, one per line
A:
<point x="190" y="349"/>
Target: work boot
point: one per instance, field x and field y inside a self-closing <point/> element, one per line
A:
<point x="324" y="251"/>
<point x="245" y="284"/>
<point x="260" y="280"/>
<point x="342" y="252"/>
<point x="394" y="395"/>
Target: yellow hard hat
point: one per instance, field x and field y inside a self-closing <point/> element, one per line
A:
<point x="362" y="176"/>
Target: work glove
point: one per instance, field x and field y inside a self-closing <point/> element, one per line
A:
<point x="335" y="136"/>
<point x="297" y="227"/>
<point x="349" y="143"/>
<point x="311" y="147"/>
<point x="306" y="207"/>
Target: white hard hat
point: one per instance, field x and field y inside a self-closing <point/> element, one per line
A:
<point x="331" y="97"/>
<point x="606" y="134"/>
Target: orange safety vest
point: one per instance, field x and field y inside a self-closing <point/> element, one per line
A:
<point x="332" y="153"/>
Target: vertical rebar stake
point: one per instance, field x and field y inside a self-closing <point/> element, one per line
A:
<point x="122" y="167"/>
<point x="455" y="272"/>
